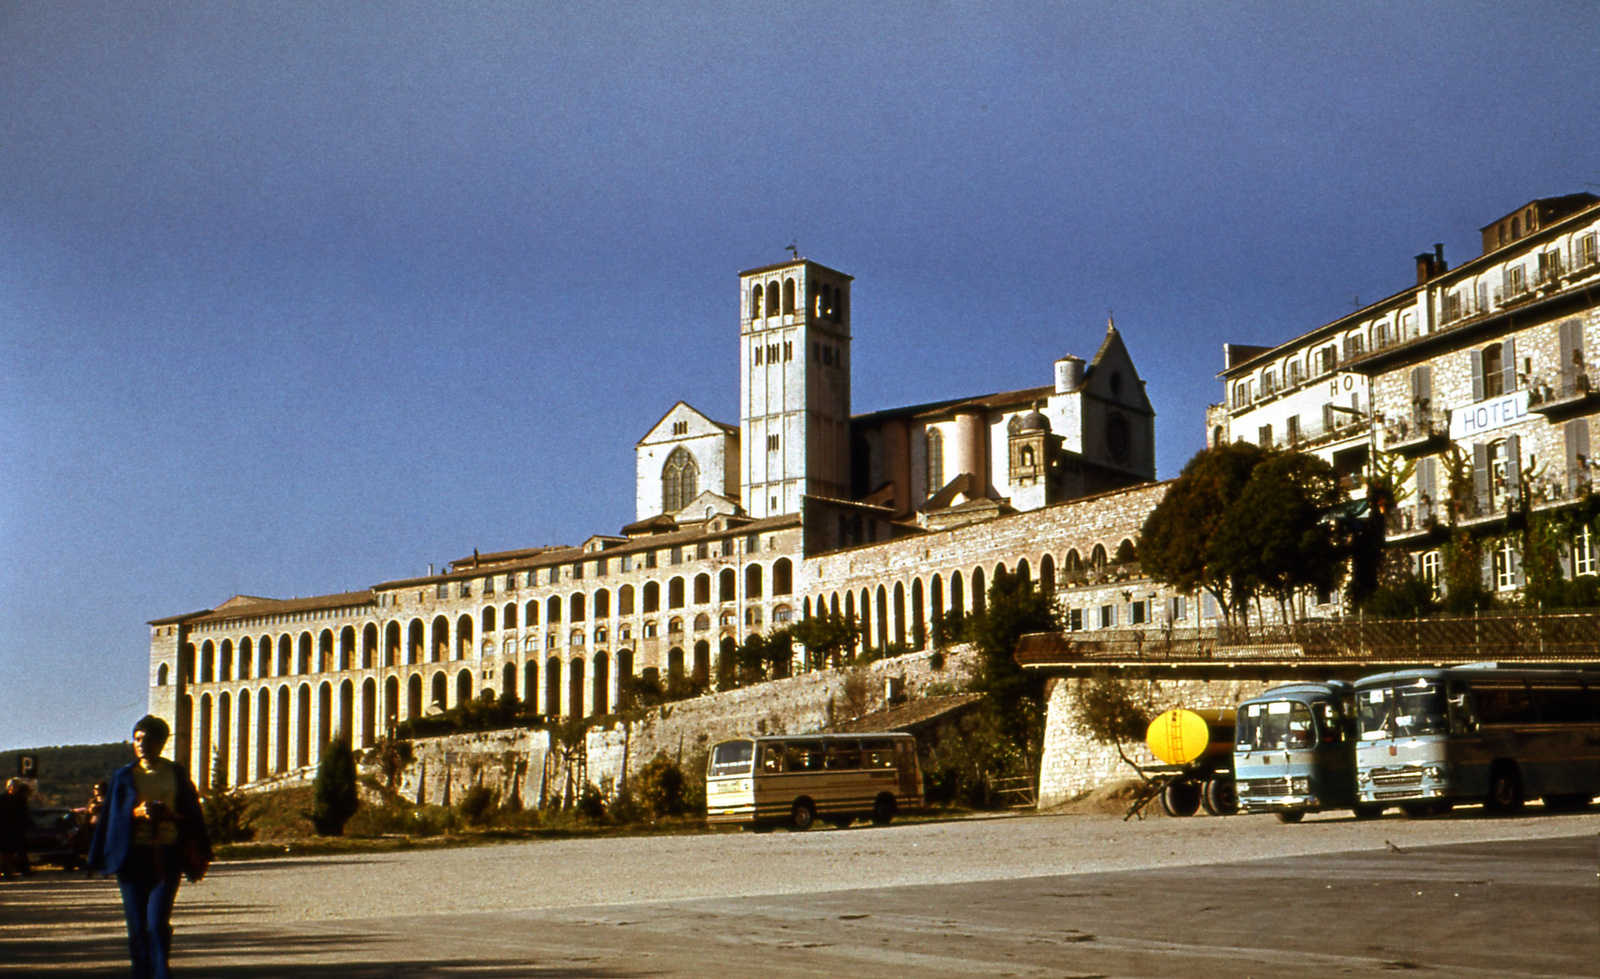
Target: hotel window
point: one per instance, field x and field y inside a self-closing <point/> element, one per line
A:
<point x="1583" y="557"/>
<point x="488" y="585"/>
<point x="677" y="555"/>
<point x="1138" y="613"/>
<point x="1264" y="436"/>
<point x="1075" y="620"/>
<point x="465" y="590"/>
<point x="1327" y="359"/>
<point x="577" y="571"/>
<point x="649" y="559"/>
<point x="1292" y="429"/>
<point x="1589" y="249"/>
<point x="627" y="562"/>
<point x="1516" y="280"/>
<point x="1177" y="608"/>
<point x="1505" y="565"/>
<point x="1108" y="616"/>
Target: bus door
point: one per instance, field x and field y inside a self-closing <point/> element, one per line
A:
<point x="905" y="762"/>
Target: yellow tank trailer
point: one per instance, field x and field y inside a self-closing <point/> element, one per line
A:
<point x="1195" y="746"/>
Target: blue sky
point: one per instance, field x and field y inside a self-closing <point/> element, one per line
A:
<point x="297" y="298"/>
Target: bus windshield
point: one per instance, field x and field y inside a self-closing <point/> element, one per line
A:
<point x="1280" y="724"/>
<point x="1402" y="711"/>
<point x="732" y="758"/>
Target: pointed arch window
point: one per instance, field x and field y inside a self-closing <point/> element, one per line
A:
<point x="680" y="480"/>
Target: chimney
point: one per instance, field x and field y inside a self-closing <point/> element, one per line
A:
<point x="1440" y="266"/>
<point x="1424" y="267"/>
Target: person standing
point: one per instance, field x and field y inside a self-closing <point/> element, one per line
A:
<point x="151" y="833"/>
<point x="92" y="814"/>
<point x="14" y="825"/>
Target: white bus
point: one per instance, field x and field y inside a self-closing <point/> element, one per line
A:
<point x="798" y="779"/>
<point x="1432" y="738"/>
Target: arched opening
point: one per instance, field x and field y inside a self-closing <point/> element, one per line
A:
<point x="241" y="741"/>
<point x="325" y="658"/>
<point x="935" y="462"/>
<point x="752" y="581"/>
<point x="602" y="605"/>
<point x="208" y="662"/>
<point x="680" y="480"/>
<point x="1023" y="570"/>
<point x="416" y="642"/>
<point x="530" y="686"/>
<point x="652" y="597"/>
<point x="463" y="687"/>
<point x="264" y="656"/>
<point x="215" y="760"/>
<point x="440" y="646"/>
<point x="347" y="648"/>
<point x="1047" y="576"/>
<point x="344" y="724"/>
<point x="508" y="616"/>
<point x="439" y="696"/>
<point x="552" y="610"/>
<point x="161" y="675"/>
<point x="674" y="668"/>
<point x="280" y="760"/>
<point x="531" y="613"/>
<point x="602" y="684"/>
<point x="727" y="585"/>
<point x="508" y="682"/>
<point x="727" y="660"/>
<point x="772" y="300"/>
<point x="788" y="295"/>
<point x="302" y="734"/>
<point x="1097" y="557"/>
<point x="624" y="668"/>
<point x="303" y="654"/>
<point x="782" y="577"/>
<point x="414" y="696"/>
<point x="919" y="621"/>
<point x="979" y="598"/>
<point x="700" y="672"/>
<point x="625" y="600"/>
<point x="263" y="733"/>
<point x="757" y="302"/>
<point x="552" y="686"/>
<point x="1126" y="552"/>
<point x="883" y="617"/>
<point x="463" y="637"/>
<point x="577" y="610"/>
<point x="702" y="589"/>
<point x="246" y="656"/>
<point x="391" y="704"/>
<point x="490" y="620"/>
<point x="324" y="732"/>
<point x="899" y="613"/>
<point x="225" y="661"/>
<point x="575" y="686"/>
<point x="675" y="593"/>
<point x="369" y="711"/>
<point x="958" y="598"/>
<point x="369" y="645"/>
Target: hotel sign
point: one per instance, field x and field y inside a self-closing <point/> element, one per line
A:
<point x="1488" y="415"/>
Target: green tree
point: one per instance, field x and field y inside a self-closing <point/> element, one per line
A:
<point x="334" y="798"/>
<point x="659" y="786"/>
<point x="830" y="639"/>
<point x="1175" y="543"/>
<point x="1276" y="536"/>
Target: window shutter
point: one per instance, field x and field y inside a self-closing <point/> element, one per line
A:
<point x="1513" y="464"/>
<point x="1577" y="436"/>
<point x="1477" y="374"/>
<point x="1508" y="366"/>
<point x="1428" y="479"/>
<point x="1480" y="475"/>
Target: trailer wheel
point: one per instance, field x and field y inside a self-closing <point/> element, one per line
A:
<point x="883" y="810"/>
<point x="1181" y="798"/>
<point x="1289" y="816"/>
<point x="1220" y="797"/>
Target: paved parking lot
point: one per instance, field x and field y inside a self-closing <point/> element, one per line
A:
<point x="1021" y="896"/>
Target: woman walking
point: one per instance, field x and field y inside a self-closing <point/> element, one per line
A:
<point x="150" y="834"/>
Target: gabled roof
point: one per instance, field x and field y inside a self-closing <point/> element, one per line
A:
<point x="724" y="426"/>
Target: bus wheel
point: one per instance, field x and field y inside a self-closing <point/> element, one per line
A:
<point x="1181" y="798"/>
<point x="1219" y="797"/>
<point x="882" y="811"/>
<point x="1505" y="789"/>
<point x="803" y="815"/>
<point x="1290" y="815"/>
<point x="1367" y="812"/>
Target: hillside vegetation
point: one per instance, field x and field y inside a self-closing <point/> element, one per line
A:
<point x="67" y="773"/>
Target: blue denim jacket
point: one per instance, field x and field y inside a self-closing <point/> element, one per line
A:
<point x="113" y="834"/>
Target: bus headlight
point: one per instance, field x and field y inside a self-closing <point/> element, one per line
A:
<point x="1434" y="772"/>
<point x="1362" y="778"/>
<point x="1241" y="787"/>
<point x="1299" y="785"/>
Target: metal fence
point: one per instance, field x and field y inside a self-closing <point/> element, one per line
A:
<point x="1500" y="636"/>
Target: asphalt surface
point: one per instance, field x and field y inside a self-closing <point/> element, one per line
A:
<point x="1057" y="896"/>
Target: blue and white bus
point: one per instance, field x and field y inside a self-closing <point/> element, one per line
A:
<point x="1434" y="738"/>
<point x="1294" y="752"/>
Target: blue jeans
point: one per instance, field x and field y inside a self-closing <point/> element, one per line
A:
<point x="149" y="879"/>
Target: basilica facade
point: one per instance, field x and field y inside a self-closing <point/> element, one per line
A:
<point x="892" y="518"/>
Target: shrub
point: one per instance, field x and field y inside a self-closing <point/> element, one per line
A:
<point x="228" y="817"/>
<point x="660" y="787"/>
<point x="334" y="798"/>
<point x="478" y="805"/>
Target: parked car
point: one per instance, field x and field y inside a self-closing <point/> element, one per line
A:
<point x="56" y="837"/>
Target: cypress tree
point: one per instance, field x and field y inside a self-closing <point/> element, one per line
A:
<point x="334" y="798"/>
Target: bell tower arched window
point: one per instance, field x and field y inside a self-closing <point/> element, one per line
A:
<point x="680" y="480"/>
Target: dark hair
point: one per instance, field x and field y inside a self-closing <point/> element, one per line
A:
<point x="154" y="728"/>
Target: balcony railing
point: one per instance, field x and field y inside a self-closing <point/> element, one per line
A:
<point x="1417" y="430"/>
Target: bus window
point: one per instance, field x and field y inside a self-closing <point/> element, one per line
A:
<point x="1504" y="703"/>
<point x="1280" y="724"/>
<point x="802" y="756"/>
<point x="844" y="754"/>
<point x="772" y="758"/>
<point x="1402" y="712"/>
<point x="732" y="758"/>
<point x="877" y="753"/>
<point x="1330" y="723"/>
<point x="1563" y="704"/>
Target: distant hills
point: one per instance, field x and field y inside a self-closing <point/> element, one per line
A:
<point x="67" y="773"/>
